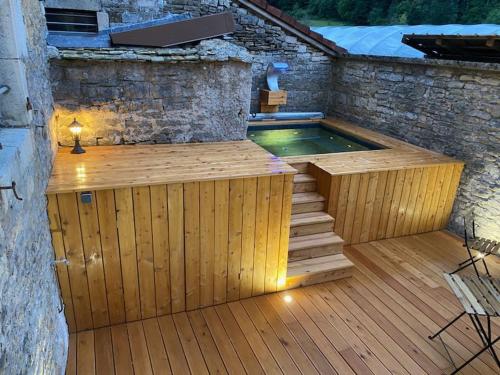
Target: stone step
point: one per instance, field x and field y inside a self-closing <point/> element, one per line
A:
<point x="304" y="224"/>
<point x="307" y="202"/>
<point x="314" y="245"/>
<point x="303" y="183"/>
<point x="318" y="270"/>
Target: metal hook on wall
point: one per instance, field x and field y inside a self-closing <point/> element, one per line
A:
<point x="13" y="188"/>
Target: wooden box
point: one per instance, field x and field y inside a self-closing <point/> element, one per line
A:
<point x="273" y="97"/>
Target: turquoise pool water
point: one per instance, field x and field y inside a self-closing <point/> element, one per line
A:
<point x="305" y="139"/>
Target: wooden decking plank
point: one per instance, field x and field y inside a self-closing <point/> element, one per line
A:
<point x="239" y="341"/>
<point x="258" y="346"/>
<point x="189" y="344"/>
<point x="156" y="348"/>
<point x="285" y="361"/>
<point x="206" y="342"/>
<point x="121" y="350"/>
<point x="223" y="342"/>
<point x="85" y="358"/>
<point x="72" y="350"/>
<point x="303" y="339"/>
<point x="139" y="348"/>
<point x="104" y="363"/>
<point x="176" y="356"/>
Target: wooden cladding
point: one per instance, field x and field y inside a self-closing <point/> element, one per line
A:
<point x="141" y="252"/>
<point x="385" y="204"/>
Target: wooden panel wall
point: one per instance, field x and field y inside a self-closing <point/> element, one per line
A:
<point x="141" y="252"/>
<point x="385" y="204"/>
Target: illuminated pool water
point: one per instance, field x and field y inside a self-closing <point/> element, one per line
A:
<point x="305" y="139"/>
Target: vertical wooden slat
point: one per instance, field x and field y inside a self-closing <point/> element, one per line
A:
<point x="93" y="259"/>
<point x="248" y="236"/>
<point x="176" y="244"/>
<point x="396" y="200"/>
<point x="62" y="269"/>
<point x="369" y="203"/>
<point x="419" y="200"/>
<point x="422" y="226"/>
<point x="351" y="208"/>
<point x="221" y="240"/>
<point x="359" y="212"/>
<point x="70" y="224"/>
<point x="128" y="252"/>
<point x="273" y="238"/>
<point x="377" y="204"/>
<point x="144" y="243"/>
<point x="261" y="228"/>
<point x="286" y="214"/>
<point x="455" y="181"/>
<point x="433" y="208"/>
<point x="161" y="251"/>
<point x="386" y="205"/>
<point x="403" y="203"/>
<point x="192" y="243"/>
<point x="333" y="197"/>
<point x="445" y="189"/>
<point x="412" y="202"/>
<point x="342" y="204"/>
<point x="111" y="255"/>
<point x="234" y="244"/>
<point x="207" y="242"/>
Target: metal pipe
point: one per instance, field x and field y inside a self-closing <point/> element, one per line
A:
<point x="286" y="116"/>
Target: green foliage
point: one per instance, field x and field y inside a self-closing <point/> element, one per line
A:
<point x="384" y="12"/>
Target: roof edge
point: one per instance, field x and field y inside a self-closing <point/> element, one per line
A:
<point x="290" y="24"/>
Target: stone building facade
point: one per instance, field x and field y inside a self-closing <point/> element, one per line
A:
<point x="446" y="106"/>
<point x="265" y="41"/>
<point x="33" y="331"/>
<point x="172" y="95"/>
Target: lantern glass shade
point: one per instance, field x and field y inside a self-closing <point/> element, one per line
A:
<point x="75" y="128"/>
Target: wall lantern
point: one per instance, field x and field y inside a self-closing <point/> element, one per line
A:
<point x="76" y="128"/>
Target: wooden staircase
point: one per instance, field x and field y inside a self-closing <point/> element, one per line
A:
<point x="315" y="251"/>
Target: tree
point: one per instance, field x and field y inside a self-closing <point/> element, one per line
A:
<point x="355" y="11"/>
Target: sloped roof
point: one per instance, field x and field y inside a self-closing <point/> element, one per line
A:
<point x="386" y="40"/>
<point x="302" y="31"/>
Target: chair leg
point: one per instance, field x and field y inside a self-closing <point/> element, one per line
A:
<point x="446" y="326"/>
<point x="489" y="346"/>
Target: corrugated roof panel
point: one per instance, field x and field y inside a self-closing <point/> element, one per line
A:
<point x="386" y="40"/>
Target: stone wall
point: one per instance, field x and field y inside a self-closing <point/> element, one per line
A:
<point x="309" y="67"/>
<point x="198" y="94"/>
<point x="33" y="332"/>
<point x="449" y="107"/>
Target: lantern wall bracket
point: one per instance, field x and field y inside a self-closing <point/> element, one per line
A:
<point x="13" y="188"/>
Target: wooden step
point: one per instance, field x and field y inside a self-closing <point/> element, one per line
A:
<point x="303" y="183"/>
<point x="314" y="245"/>
<point x="300" y="167"/>
<point x="307" y="223"/>
<point x="307" y="202"/>
<point x="318" y="270"/>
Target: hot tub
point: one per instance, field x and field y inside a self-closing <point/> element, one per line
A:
<point x="306" y="139"/>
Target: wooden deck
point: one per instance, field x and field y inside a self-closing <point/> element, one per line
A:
<point x="106" y="167"/>
<point x="376" y="322"/>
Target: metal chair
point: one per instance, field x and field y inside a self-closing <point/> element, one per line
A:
<point x="483" y="246"/>
<point x="480" y="297"/>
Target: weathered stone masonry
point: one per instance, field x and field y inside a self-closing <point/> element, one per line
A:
<point x="171" y="95"/>
<point x="309" y="67"/>
<point x="449" y="107"/>
<point x="33" y="333"/>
